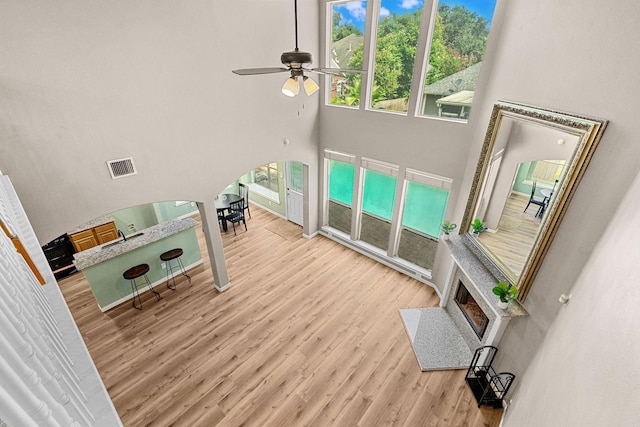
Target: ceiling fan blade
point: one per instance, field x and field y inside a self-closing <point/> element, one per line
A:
<point x="253" y="71"/>
<point x="321" y="70"/>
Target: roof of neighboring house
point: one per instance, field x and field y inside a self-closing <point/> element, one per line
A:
<point x="446" y="86"/>
<point x="343" y="50"/>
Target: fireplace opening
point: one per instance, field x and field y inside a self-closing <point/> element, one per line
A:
<point x="471" y="310"/>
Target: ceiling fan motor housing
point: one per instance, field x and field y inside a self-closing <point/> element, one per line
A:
<point x="296" y="59"/>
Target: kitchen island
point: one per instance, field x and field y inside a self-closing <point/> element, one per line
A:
<point x="103" y="265"/>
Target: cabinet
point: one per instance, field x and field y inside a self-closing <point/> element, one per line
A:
<point x="91" y="237"/>
<point x="488" y="387"/>
<point x="106" y="232"/>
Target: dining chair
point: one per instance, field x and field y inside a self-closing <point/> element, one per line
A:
<point x="244" y="193"/>
<point x="236" y="215"/>
<point x="535" y="201"/>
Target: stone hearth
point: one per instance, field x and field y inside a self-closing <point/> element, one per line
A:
<point x="443" y="338"/>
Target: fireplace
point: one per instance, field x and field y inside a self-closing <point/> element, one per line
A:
<point x="474" y="314"/>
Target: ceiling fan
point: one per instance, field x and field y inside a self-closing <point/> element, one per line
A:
<point x="295" y="62"/>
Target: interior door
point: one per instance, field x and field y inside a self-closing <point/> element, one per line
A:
<point x="293" y="172"/>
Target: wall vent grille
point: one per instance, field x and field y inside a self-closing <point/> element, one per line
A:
<point x="121" y="167"/>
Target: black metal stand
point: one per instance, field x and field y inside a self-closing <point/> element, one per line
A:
<point x="488" y="387"/>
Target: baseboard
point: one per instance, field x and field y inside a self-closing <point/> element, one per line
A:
<point x="421" y="276"/>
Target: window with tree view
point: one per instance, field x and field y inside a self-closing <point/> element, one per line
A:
<point x="346" y="50"/>
<point x="458" y="33"/>
<point x="395" y="54"/>
<point x="459" y="40"/>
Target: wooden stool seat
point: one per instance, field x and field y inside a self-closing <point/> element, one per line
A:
<point x="135" y="272"/>
<point x="168" y="256"/>
<point x="172" y="254"/>
<point x="132" y="274"/>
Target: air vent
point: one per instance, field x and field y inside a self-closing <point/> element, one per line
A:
<point x="121" y="167"/>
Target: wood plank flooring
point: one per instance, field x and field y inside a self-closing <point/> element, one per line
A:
<point x="309" y="334"/>
<point x="517" y="231"/>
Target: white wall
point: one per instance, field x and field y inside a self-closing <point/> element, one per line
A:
<point x="86" y="82"/>
<point x="586" y="371"/>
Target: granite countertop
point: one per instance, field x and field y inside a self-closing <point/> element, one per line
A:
<point x="483" y="280"/>
<point x="93" y="223"/>
<point x="152" y="234"/>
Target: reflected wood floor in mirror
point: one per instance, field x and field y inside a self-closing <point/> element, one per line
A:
<point x="516" y="233"/>
<point x="309" y="334"/>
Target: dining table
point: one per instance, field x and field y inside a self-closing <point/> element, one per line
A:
<point x="223" y="202"/>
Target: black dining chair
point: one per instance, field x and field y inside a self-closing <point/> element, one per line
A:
<point x="244" y="193"/>
<point x="221" y="220"/>
<point x="541" y="203"/>
<point x="236" y="215"/>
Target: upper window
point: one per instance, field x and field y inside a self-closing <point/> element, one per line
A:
<point x="346" y="50"/>
<point x="456" y="35"/>
<point x="460" y="31"/>
<point x="395" y="54"/>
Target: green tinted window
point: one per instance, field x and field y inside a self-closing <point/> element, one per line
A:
<point x="341" y="181"/>
<point x="424" y="208"/>
<point x="379" y="193"/>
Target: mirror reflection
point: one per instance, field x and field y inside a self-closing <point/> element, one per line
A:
<point x="530" y="163"/>
<point x="525" y="168"/>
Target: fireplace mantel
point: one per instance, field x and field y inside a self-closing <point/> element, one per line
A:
<point x="442" y="337"/>
<point x="478" y="273"/>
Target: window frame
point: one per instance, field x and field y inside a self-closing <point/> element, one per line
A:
<point x="420" y="65"/>
<point x="403" y="176"/>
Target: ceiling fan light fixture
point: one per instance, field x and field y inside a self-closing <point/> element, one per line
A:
<point x="310" y="86"/>
<point x="291" y="87"/>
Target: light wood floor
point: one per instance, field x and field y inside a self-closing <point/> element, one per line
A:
<point x="309" y="334"/>
<point x="517" y="231"/>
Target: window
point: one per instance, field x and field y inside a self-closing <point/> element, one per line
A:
<point x="395" y="53"/>
<point x="460" y="31"/>
<point x="264" y="181"/>
<point x="378" y="196"/>
<point x="267" y="176"/>
<point x="547" y="171"/>
<point x="346" y="48"/>
<point x="341" y="172"/>
<point x="405" y="230"/>
<point x="456" y="38"/>
<point x="295" y="176"/>
<point x="425" y="203"/>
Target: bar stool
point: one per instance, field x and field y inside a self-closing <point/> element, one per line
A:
<point x="168" y="256"/>
<point x="132" y="274"/>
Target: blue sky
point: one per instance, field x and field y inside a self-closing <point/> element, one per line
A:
<point x="354" y="12"/>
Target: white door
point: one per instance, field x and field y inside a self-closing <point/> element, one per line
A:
<point x="293" y="172"/>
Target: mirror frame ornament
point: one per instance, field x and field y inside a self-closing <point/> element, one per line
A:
<point x="588" y="129"/>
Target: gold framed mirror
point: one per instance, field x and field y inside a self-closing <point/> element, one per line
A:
<point x="530" y="164"/>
